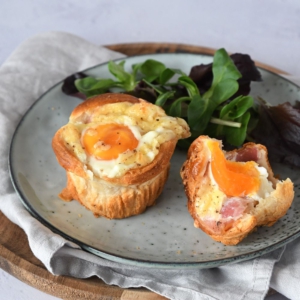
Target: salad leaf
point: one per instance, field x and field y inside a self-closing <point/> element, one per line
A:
<point x="162" y="98"/>
<point x="189" y="84"/>
<point x="152" y="69"/>
<point x="118" y="70"/>
<point x="160" y="90"/>
<point x="126" y="80"/>
<point x="246" y="67"/>
<point x="166" y="75"/>
<point x="135" y="69"/>
<point x="225" y="76"/>
<point x="175" y="110"/>
<point x="236" y="108"/>
<point x="199" y="113"/>
<point x="279" y="130"/>
<point x="236" y="135"/>
<point x="91" y="86"/>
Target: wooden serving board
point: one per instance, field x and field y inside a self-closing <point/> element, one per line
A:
<point x="16" y="257"/>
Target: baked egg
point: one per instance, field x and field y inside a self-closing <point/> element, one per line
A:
<point x="116" y="137"/>
<point x="232" y="185"/>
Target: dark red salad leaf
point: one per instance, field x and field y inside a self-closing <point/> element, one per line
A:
<point x="287" y="119"/>
<point x="69" y="87"/>
<point x="249" y="72"/>
<point x="144" y="91"/>
<point x="202" y="74"/>
<point x="278" y="129"/>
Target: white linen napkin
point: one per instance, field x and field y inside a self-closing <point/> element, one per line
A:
<point x="33" y="68"/>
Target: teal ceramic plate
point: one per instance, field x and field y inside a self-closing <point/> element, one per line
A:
<point x="163" y="236"/>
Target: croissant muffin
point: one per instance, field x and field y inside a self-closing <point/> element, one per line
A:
<point x="232" y="193"/>
<point x="116" y="151"/>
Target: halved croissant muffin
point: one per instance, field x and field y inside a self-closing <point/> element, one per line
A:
<point x="116" y="151"/>
<point x="230" y="194"/>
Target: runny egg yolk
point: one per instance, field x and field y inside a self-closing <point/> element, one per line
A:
<point x="233" y="178"/>
<point x="107" y="141"/>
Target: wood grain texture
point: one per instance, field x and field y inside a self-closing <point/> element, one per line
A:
<point x="148" y="48"/>
<point x="16" y="257"/>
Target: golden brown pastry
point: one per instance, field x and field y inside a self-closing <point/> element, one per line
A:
<point x="230" y="194"/>
<point x="116" y="150"/>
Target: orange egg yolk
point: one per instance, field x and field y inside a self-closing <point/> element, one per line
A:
<point x="107" y="141"/>
<point x="233" y="178"/>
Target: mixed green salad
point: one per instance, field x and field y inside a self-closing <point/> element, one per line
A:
<point x="213" y="98"/>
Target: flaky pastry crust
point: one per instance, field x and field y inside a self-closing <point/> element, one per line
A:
<point x="112" y="200"/>
<point x="116" y="197"/>
<point x="195" y="175"/>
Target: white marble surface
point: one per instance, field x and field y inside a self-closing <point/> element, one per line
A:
<point x="268" y="30"/>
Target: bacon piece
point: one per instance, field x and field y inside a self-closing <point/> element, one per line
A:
<point x="244" y="154"/>
<point x="217" y="227"/>
<point x="249" y="154"/>
<point x="233" y="207"/>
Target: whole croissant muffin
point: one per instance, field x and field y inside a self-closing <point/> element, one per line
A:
<point x="116" y="151"/>
<point x="232" y="193"/>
